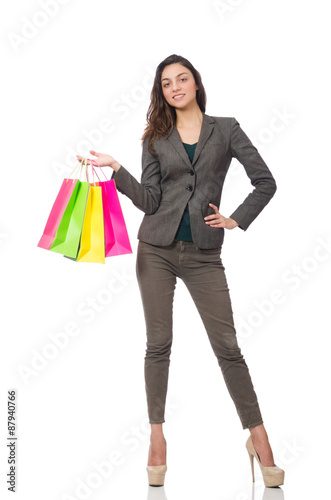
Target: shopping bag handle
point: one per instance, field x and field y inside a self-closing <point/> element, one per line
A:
<point x="94" y="170"/>
<point x="83" y="164"/>
<point x="86" y="170"/>
<point x="94" y="161"/>
<point x="78" y="164"/>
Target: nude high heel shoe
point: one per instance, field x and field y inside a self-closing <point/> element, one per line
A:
<point x="272" y="476"/>
<point x="156" y="473"/>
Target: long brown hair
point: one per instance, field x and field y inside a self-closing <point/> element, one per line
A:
<point x="160" y="115"/>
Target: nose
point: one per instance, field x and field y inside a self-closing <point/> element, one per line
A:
<point x="176" y="87"/>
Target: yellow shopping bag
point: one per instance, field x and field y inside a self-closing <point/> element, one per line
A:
<point x="92" y="244"/>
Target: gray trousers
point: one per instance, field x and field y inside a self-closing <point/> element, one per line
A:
<point x="202" y="271"/>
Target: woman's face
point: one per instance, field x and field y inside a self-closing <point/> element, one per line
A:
<point x="178" y="86"/>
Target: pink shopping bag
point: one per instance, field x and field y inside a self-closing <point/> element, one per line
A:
<point x="54" y="219"/>
<point x="116" y="235"/>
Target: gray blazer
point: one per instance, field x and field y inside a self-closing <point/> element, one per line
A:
<point x="169" y="181"/>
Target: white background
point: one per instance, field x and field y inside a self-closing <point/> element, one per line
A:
<point x="67" y="67"/>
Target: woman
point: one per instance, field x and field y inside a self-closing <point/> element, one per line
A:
<point x="185" y="157"/>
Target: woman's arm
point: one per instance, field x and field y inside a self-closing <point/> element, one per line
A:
<point x="145" y="195"/>
<point x="259" y="174"/>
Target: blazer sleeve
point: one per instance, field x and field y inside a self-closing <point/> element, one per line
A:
<point x="260" y="176"/>
<point x="145" y="195"/>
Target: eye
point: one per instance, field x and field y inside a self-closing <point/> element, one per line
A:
<point x="165" y="84"/>
<point x="183" y="79"/>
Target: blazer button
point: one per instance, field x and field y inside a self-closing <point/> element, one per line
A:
<point x="191" y="172"/>
<point x="189" y="188"/>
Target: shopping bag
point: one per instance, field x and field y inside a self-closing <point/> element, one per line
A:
<point x="67" y="238"/>
<point x="92" y="243"/>
<point x="117" y="239"/>
<point x="57" y="211"/>
<point x="116" y="235"/>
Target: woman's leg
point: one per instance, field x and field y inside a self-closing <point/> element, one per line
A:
<point x="262" y="446"/>
<point x="157" y="450"/>
<point x="157" y="281"/>
<point x="203" y="274"/>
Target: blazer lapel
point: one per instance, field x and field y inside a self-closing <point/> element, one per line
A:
<point x="206" y="129"/>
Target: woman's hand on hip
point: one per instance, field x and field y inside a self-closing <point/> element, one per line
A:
<point x="218" y="220"/>
<point x="103" y="160"/>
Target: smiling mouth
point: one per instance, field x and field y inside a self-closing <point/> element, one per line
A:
<point x="178" y="97"/>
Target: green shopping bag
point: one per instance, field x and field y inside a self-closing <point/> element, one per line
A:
<point x="68" y="235"/>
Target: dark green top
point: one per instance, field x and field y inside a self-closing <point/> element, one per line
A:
<point x="184" y="229"/>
